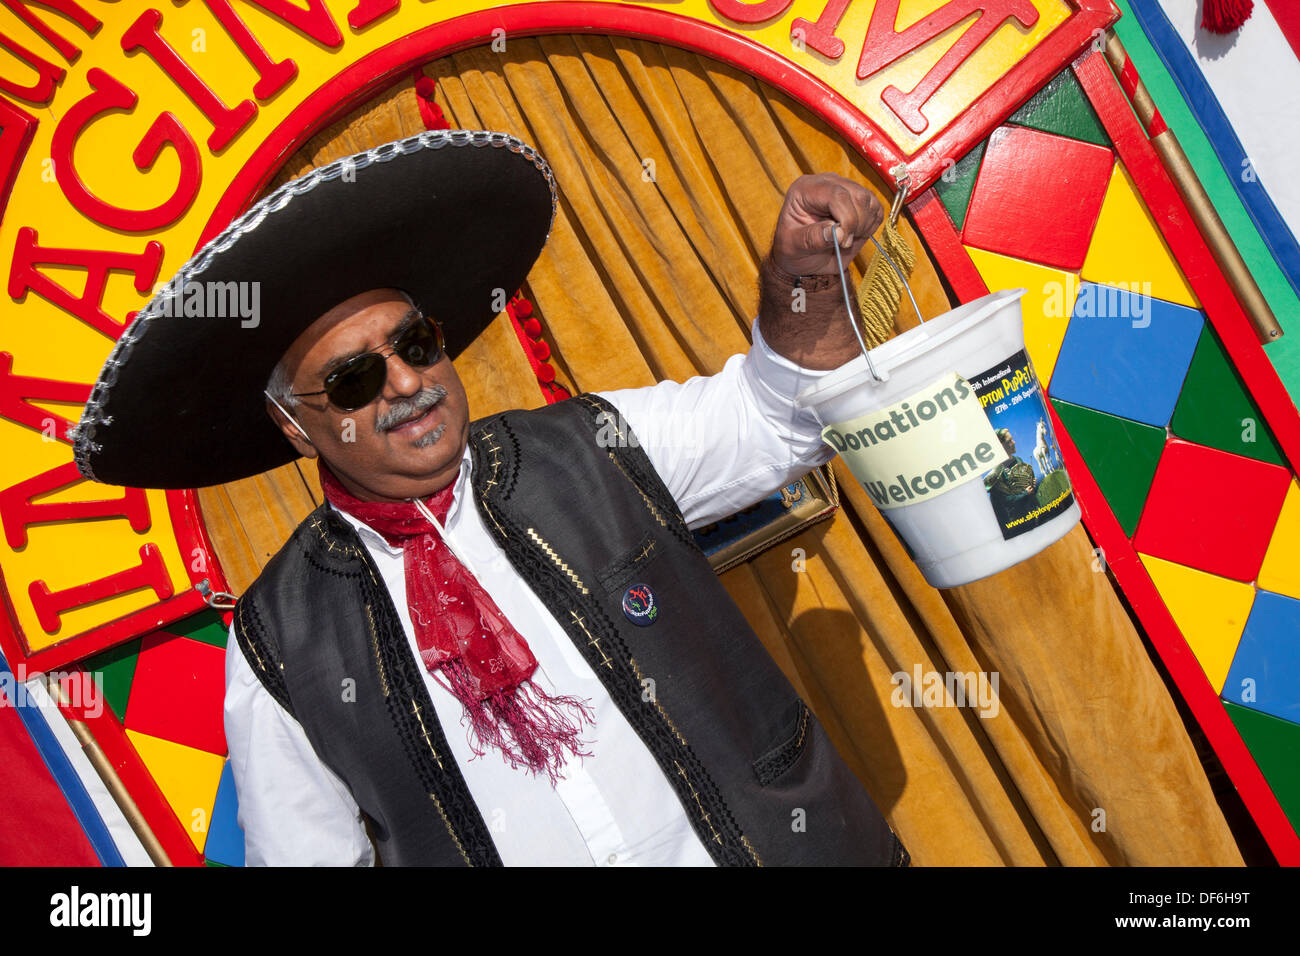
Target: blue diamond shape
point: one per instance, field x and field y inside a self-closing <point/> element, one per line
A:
<point x="1126" y="354"/>
<point x="1269" y="657"/>
<point x="225" y="843"/>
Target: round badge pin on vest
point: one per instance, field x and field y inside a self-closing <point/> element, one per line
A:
<point x="640" y="606"/>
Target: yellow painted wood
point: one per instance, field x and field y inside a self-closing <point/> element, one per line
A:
<point x="1046" y="306"/>
<point x="1008" y="45"/>
<point x="1210" y="611"/>
<point x="1127" y="249"/>
<point x="249" y="520"/>
<point x="1281" y="569"/>
<point x="187" y="777"/>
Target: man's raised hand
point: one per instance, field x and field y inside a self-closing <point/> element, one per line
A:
<point x="802" y="243"/>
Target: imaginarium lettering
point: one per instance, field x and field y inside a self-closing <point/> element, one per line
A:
<point x="931" y="442"/>
<point x="121" y="127"/>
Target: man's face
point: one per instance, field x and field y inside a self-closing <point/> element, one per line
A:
<point x="406" y="443"/>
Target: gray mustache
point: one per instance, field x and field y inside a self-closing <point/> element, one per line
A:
<point x="409" y="408"/>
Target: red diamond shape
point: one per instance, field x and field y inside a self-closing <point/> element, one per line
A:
<point x="177" y="692"/>
<point x="1038" y="196"/>
<point x="1211" y="510"/>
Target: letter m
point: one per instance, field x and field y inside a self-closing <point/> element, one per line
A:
<point x="885" y="44"/>
<point x="223" y="299"/>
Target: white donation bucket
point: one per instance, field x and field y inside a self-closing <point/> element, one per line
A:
<point x="955" y="445"/>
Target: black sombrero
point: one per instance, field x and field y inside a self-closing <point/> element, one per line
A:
<point x="455" y="218"/>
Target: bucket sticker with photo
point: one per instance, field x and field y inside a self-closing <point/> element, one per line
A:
<point x="1029" y="486"/>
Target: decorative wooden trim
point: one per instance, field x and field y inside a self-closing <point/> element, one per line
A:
<point x="823" y="502"/>
<point x="378" y="70"/>
<point x="936" y="228"/>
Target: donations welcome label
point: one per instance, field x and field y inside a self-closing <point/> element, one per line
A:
<point x="930" y="442"/>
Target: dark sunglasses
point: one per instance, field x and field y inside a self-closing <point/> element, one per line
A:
<point x="359" y="380"/>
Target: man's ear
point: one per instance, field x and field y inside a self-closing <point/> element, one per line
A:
<point x="297" y="439"/>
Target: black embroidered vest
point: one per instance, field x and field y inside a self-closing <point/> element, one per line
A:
<point x="581" y="514"/>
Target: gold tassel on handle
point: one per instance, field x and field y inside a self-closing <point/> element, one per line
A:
<point x="881" y="290"/>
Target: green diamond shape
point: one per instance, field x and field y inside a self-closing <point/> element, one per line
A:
<point x="957" y="183"/>
<point x="1215" y="409"/>
<point x="1121" y="454"/>
<point x="1062" y="107"/>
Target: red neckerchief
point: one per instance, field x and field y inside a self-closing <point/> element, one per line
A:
<point x="460" y="631"/>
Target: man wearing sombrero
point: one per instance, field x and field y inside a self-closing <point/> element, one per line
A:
<point x="448" y="658"/>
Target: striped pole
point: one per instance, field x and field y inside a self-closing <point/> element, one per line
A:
<point x="1189" y="186"/>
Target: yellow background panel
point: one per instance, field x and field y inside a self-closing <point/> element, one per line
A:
<point x="1281" y="569"/>
<point x="1127" y="249"/>
<point x="187" y="777"/>
<point x="1004" y="48"/>
<point x="1210" y="611"/>
<point x="1046" y="306"/>
<point x="65" y="554"/>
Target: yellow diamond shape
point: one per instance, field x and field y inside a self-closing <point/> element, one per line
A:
<point x="187" y="777"/>
<point x="1281" y="569"/>
<point x="1046" y="307"/>
<point x="1210" y="611"/>
<point x="1127" y="249"/>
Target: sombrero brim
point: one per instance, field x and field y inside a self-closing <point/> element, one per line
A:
<point x="456" y="218"/>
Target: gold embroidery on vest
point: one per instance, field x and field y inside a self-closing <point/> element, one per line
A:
<point x="658" y="515"/>
<point x="442" y="813"/>
<point x="682" y="740"/>
<point x="495" y="462"/>
<point x="696" y="797"/>
<point x="550" y="553"/>
<point x="803" y="727"/>
<point x="252" y="645"/>
<point x="488" y="512"/>
<point x="374" y="643"/>
<point x="591" y="640"/>
<point x="658" y="706"/>
<point x="415" y="709"/>
<point x="623" y="441"/>
<point x="496" y="459"/>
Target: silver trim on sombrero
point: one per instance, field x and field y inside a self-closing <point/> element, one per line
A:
<point x="92" y="417"/>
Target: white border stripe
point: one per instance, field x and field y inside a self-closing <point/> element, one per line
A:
<point x="128" y="844"/>
<point x="1255" y="76"/>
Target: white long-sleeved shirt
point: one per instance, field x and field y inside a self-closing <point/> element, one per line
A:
<point x="720" y="443"/>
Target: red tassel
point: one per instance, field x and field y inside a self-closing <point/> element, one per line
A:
<point x="430" y="112"/>
<point x="1225" y="16"/>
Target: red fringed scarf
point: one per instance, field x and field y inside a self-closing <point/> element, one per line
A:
<point x="466" y="642"/>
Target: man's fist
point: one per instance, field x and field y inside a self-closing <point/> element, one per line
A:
<point x="802" y="244"/>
